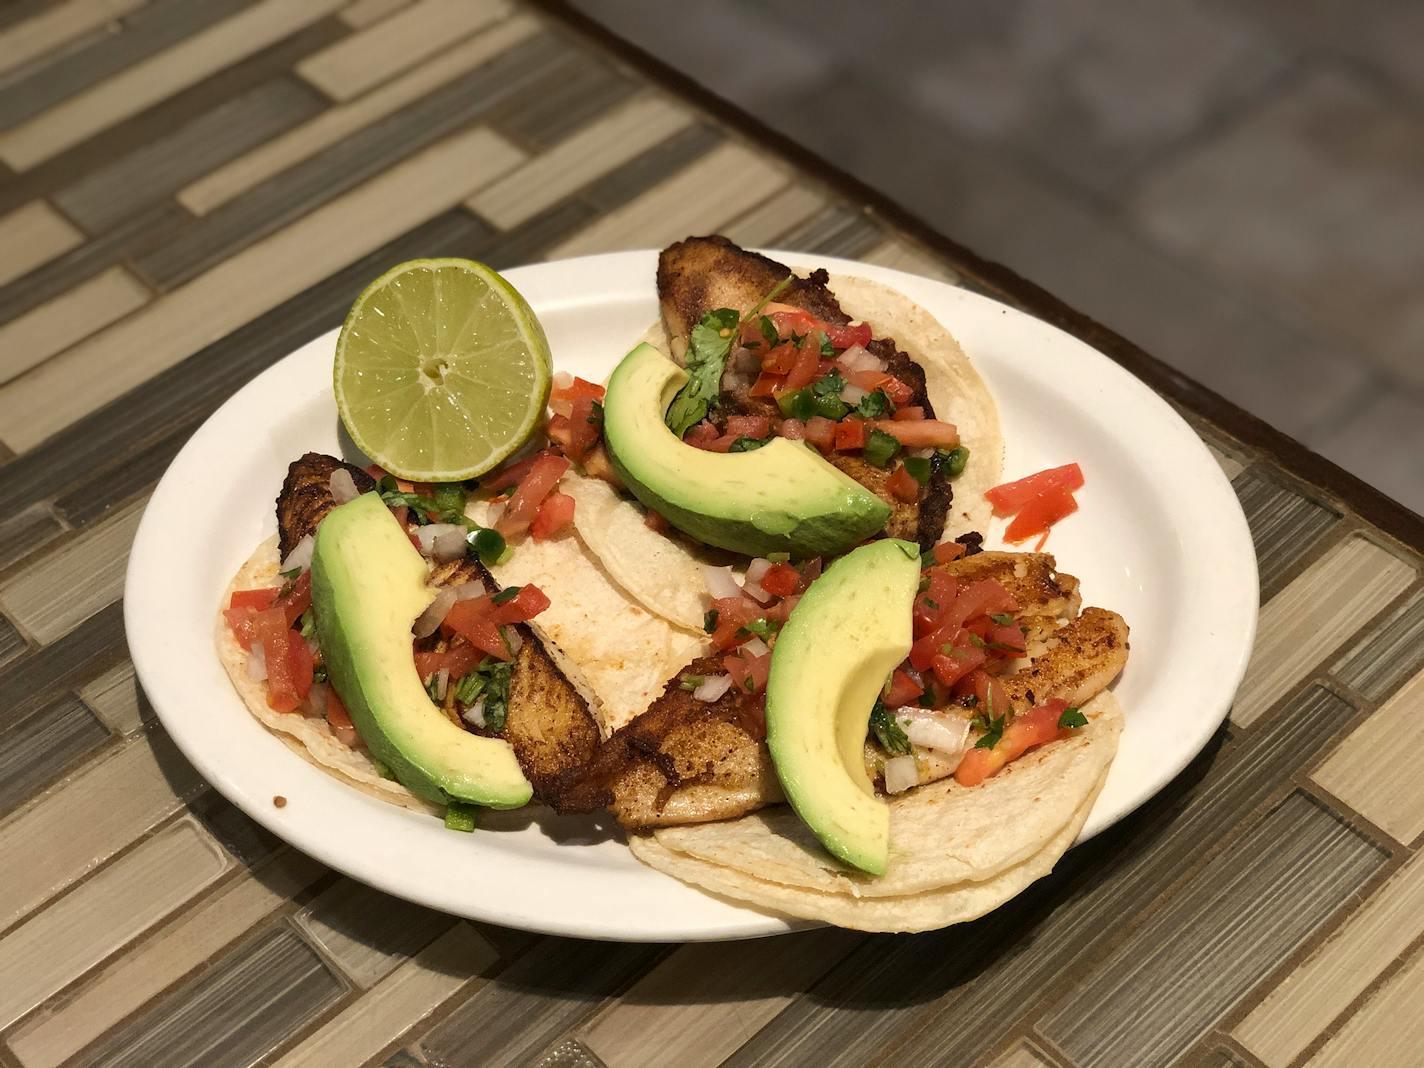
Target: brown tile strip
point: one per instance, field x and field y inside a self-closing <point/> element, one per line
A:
<point x="156" y="169"/>
<point x="147" y="31"/>
<point x="237" y="1010"/>
<point x="24" y="531"/>
<point x="116" y="699"/>
<point x="1376" y="769"/>
<point x="651" y="167"/>
<point x="918" y="1000"/>
<point x="766" y="223"/>
<point x="40" y="747"/>
<point x="572" y="95"/>
<point x="570" y="1053"/>
<point x="240" y="835"/>
<point x="367" y="933"/>
<point x="1388" y="653"/>
<point x="82" y="655"/>
<point x="535" y="1000"/>
<point x="361" y="155"/>
<point x="1284" y="525"/>
<point x="11" y="642"/>
<point x="837" y="230"/>
<point x="129" y="980"/>
<point x="1388" y="1031"/>
<point x="96" y="497"/>
<point x="1164" y="987"/>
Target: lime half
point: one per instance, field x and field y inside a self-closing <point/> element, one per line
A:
<point x="442" y="370"/>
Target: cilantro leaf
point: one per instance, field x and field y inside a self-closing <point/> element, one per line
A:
<point x="1001" y="618"/>
<point x="880" y="447"/>
<point x="874" y="405"/>
<point x="887" y="732"/>
<point x="762" y="628"/>
<point x="748" y="444"/>
<point x="993" y="731"/>
<point x="768" y="331"/>
<point x="506" y="595"/>
<point x="707" y="350"/>
<point x="1072" y="718"/>
<point x="709" y="620"/>
<point x="691" y="682"/>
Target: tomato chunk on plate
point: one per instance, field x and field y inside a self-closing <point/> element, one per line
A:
<point x="1011" y="497"/>
<point x="1041" y="513"/>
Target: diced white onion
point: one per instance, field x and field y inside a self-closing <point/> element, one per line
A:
<point x="451" y="544"/>
<point x="721" y="582"/>
<point x="468" y="591"/>
<point x="852" y="394"/>
<point x="756" y="592"/>
<point x="442" y="680"/>
<point x="712" y="688"/>
<point x="428" y="535"/>
<point x="475" y="714"/>
<point x="514" y="638"/>
<point x="901" y="773"/>
<point x="755" y="646"/>
<point x="301" y="554"/>
<point x="858" y="358"/>
<point x="342" y="486"/>
<point x="316" y="697"/>
<point x="757" y="569"/>
<point x="931" y="730"/>
<point x="429" y="621"/>
<point x="257" y="662"/>
<point x="563" y="380"/>
<point x="735" y="381"/>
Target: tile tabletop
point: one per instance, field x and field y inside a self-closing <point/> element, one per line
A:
<point x="191" y="189"/>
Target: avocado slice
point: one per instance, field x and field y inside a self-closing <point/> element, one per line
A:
<point x="830" y="661"/>
<point x="782" y="497"/>
<point x="368" y="587"/>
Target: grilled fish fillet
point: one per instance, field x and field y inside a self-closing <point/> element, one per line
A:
<point x="549" y="725"/>
<point x="689" y="761"/>
<point x="700" y="274"/>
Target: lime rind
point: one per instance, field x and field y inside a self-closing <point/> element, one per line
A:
<point x="398" y="327"/>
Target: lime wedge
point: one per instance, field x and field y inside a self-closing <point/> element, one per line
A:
<point x="442" y="370"/>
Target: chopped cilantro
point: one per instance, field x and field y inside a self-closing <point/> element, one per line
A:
<point x="595" y="415"/>
<point x="450" y="500"/>
<point x="874" y="405"/>
<point x="768" y="331"/>
<point x="709" y="620"/>
<point x="707" y="350"/>
<point x="1001" y="618"/>
<point x="977" y="642"/>
<point x="308" y="624"/>
<point x="1072" y="718"/>
<point x="292" y="575"/>
<point x="691" y="682"/>
<point x="918" y="467"/>
<point x="797" y="404"/>
<point x="779" y="558"/>
<point x="828" y="351"/>
<point x="469" y="688"/>
<point x="460" y="816"/>
<point x="762" y="628"/>
<point x="319" y="673"/>
<point x="748" y="444"/>
<point x="887" y="732"/>
<point x="432" y="686"/>
<point x="506" y="595"/>
<point x="880" y="448"/>
<point x="993" y="730"/>
<point x="953" y="461"/>
<point x="829" y="385"/>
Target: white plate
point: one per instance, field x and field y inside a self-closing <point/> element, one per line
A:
<point x="1159" y="537"/>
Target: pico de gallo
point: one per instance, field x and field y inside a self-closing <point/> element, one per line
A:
<point x="1036" y="502"/>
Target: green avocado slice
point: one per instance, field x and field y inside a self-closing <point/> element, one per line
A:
<point x="849" y="631"/>
<point x="783" y="497"/>
<point x="368" y="587"/>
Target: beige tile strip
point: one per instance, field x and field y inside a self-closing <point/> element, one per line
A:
<point x="1376" y="770"/>
<point x="1019" y="1056"/>
<point x="725" y="183"/>
<point x="355" y="64"/>
<point x="337" y="123"/>
<point x="58" y="25"/>
<point x="590" y="153"/>
<point x="1314" y="616"/>
<point x="1335" y="974"/>
<point x="114" y="698"/>
<point x="50" y="598"/>
<point x="363" y="13"/>
<point x="399" y="1002"/>
<point x="903" y="256"/>
<point x="1230" y="467"/>
<point x="59" y="944"/>
<point x="767" y="221"/>
<point x="253" y="281"/>
<point x="94" y="815"/>
<point x="53" y="1036"/>
<point x="704" y="1001"/>
<point x="52" y="327"/>
<point x="1387" y="1032"/>
<point x="156" y="78"/>
<point x="32" y="235"/>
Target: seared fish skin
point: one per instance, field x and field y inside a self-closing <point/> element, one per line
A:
<point x="682" y="761"/>
<point x="699" y="274"/>
<point x="550" y="727"/>
<point x="306" y="496"/>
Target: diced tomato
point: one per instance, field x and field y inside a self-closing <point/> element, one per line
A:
<point x="543" y="476"/>
<point x="702" y="435"/>
<point x="241" y="621"/>
<point x="257" y="599"/>
<point x="867" y="380"/>
<point x="792" y="429"/>
<point x="947" y="551"/>
<point x="297" y="598"/>
<point x="339" y="720"/>
<point x="993" y="698"/>
<point x="748" y="426"/>
<point x="949" y="668"/>
<point x="789" y="320"/>
<point x="901" y="689"/>
<point x="378" y="472"/>
<point x="779" y="360"/>
<point x="1040" y="513"/>
<point x="843" y="337"/>
<point x="931" y="604"/>
<point x="920" y="433"/>
<point x="850" y="434"/>
<point x="585" y="426"/>
<point x="522" y="607"/>
<point x="781" y="611"/>
<point x="1035" y="727"/>
<point x="1011" y="497"/>
<point x="271" y="629"/>
<point x="1010" y="636"/>
<point x="302" y="664"/>
<point x="908" y="414"/>
<point x="767" y="385"/>
<point x="554" y="515"/>
<point x="807" y="366"/>
<point x="654" y="521"/>
<point x="575" y="391"/>
<point x="510" y="475"/>
<point x="748" y="673"/>
<point x="979" y="599"/>
<point x="458" y="657"/>
<point x="821" y="432"/>
<point x="733" y="613"/>
<point x="471" y="620"/>
<point x="902" y="486"/>
<point x="560" y="430"/>
<point x="781" y="580"/>
<point x="898" y="391"/>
